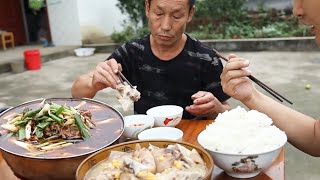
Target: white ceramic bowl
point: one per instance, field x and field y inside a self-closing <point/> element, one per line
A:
<point x="134" y="124"/>
<point x="241" y="165"/>
<point x="168" y="133"/>
<point x="82" y="52"/>
<point x="166" y="115"/>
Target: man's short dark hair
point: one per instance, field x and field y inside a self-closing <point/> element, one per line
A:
<point x="191" y="3"/>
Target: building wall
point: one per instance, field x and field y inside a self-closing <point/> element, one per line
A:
<point x="99" y="18"/>
<point x="74" y="22"/>
<point x="64" y="22"/>
<point x="277" y="4"/>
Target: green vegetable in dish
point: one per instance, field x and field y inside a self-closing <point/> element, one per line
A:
<point x="51" y="127"/>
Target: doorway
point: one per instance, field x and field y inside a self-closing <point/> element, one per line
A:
<point x="11" y="19"/>
<point x="28" y="26"/>
<point x="37" y="24"/>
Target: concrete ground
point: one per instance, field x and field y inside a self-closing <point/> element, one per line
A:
<point x="286" y="72"/>
<point x="12" y="59"/>
<point x="17" y="52"/>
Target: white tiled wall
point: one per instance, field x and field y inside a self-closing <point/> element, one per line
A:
<point x="64" y="22"/>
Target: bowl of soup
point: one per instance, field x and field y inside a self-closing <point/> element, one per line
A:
<point x="41" y="140"/>
<point x="148" y="159"/>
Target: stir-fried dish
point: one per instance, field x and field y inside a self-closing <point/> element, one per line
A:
<point x="153" y="163"/>
<point x="127" y="95"/>
<point x="51" y="127"/>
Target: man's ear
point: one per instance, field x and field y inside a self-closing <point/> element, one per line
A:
<point x="191" y="13"/>
<point x="147" y="7"/>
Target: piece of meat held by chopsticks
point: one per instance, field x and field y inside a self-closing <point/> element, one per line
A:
<point x="127" y="95"/>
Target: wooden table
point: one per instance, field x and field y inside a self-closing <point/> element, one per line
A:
<point x="191" y="130"/>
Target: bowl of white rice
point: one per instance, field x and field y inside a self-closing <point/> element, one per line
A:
<point x="166" y="115"/>
<point x="242" y="143"/>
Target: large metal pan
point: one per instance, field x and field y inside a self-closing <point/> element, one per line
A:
<point x="62" y="163"/>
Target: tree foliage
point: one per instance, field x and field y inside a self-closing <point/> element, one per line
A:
<point x="135" y="10"/>
<point x="218" y="19"/>
<point x="221" y="10"/>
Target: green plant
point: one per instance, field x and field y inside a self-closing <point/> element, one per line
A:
<point x="123" y="36"/>
<point x="128" y="34"/>
<point x="135" y="10"/>
<point x="221" y="10"/>
<point x="220" y="19"/>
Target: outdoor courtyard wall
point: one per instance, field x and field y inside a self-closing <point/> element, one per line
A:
<point x="262" y="44"/>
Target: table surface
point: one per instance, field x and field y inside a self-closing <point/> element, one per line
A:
<point x="191" y="130"/>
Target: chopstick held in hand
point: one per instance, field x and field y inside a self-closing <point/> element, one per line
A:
<point x="125" y="79"/>
<point x="258" y="82"/>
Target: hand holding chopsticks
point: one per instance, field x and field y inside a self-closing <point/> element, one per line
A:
<point x="258" y="82"/>
<point x="123" y="78"/>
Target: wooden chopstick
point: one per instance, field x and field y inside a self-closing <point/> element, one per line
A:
<point x="258" y="82"/>
<point x="125" y="79"/>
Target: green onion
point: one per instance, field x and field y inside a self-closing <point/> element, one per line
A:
<point x="84" y="132"/>
<point x="23" y="122"/>
<point x="43" y="118"/>
<point x="44" y="124"/>
<point x="60" y="110"/>
<point x="31" y="113"/>
<point x="39" y="132"/>
<point x="56" y="118"/>
<point x="43" y="111"/>
<point x="22" y="133"/>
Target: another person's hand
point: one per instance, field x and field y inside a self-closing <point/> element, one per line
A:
<point x="204" y="104"/>
<point x="235" y="81"/>
<point x="105" y="74"/>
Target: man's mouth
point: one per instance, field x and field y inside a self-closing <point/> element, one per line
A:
<point x="165" y="35"/>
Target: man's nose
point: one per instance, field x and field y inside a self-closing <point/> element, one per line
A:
<point x="166" y="23"/>
<point x="297" y="8"/>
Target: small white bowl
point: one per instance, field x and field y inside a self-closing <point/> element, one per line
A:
<point x="166" y="115"/>
<point x="82" y="52"/>
<point x="170" y="133"/>
<point x="134" y="124"/>
<point x="241" y="165"/>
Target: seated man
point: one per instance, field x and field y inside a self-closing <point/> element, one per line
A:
<point x="167" y="66"/>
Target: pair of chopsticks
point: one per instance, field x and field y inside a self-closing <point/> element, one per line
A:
<point x="258" y="82"/>
<point x="122" y="78"/>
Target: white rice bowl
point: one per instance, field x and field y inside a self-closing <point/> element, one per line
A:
<point x="239" y="134"/>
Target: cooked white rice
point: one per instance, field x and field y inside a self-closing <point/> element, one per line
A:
<point x="240" y="132"/>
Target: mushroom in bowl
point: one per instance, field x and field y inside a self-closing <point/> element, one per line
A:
<point x="242" y="143"/>
<point x="166" y="115"/>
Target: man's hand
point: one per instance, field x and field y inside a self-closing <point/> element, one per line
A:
<point x="205" y="104"/>
<point x="105" y="75"/>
